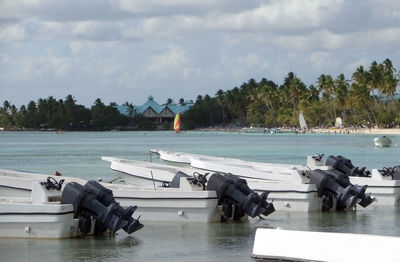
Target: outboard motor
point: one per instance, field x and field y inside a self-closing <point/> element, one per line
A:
<point x="176" y="181"/>
<point x="393" y="172"/>
<point x="87" y="206"/>
<point x="345" y="166"/>
<point x="334" y="185"/>
<point x="236" y="198"/>
<point x="196" y="179"/>
<point x="106" y="197"/>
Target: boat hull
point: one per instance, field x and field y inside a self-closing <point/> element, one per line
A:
<point x="289" y="197"/>
<point x="285" y="196"/>
<point x="25" y="220"/>
<point x="154" y="204"/>
<point x="385" y="191"/>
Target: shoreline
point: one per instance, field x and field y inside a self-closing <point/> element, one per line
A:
<point x="359" y="131"/>
<point x="377" y="131"/>
<point x="366" y="131"/>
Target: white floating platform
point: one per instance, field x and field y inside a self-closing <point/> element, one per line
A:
<point x="288" y="245"/>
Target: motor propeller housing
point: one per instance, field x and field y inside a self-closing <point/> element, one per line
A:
<point x="92" y="201"/>
<point x="236" y="198"/>
<point x="334" y="184"/>
<point x="345" y="166"/>
<point x="106" y="197"/>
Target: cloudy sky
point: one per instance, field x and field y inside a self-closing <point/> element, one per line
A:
<point x="121" y="50"/>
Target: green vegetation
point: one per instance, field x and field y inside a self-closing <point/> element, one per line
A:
<point x="61" y="115"/>
<point x="367" y="99"/>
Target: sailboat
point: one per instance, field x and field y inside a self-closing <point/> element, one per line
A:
<point x="177" y="123"/>
<point x="302" y="121"/>
<point x="339" y="122"/>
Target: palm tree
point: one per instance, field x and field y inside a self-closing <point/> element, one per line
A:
<point x="360" y="94"/>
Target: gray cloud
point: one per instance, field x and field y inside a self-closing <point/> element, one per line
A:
<point x="117" y="49"/>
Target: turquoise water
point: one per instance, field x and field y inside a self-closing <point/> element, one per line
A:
<point x="78" y="154"/>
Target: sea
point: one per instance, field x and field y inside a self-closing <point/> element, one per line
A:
<point x="79" y="154"/>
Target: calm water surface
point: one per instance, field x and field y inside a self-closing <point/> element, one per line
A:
<point x="78" y="154"/>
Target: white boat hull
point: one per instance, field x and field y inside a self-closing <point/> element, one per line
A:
<point x="286" y="196"/>
<point x="385" y="191"/>
<point x="154" y="204"/>
<point x="24" y="220"/>
<point x="289" y="197"/>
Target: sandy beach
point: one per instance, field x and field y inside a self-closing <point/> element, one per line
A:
<point x="369" y="131"/>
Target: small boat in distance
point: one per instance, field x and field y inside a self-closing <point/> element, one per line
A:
<point x="177" y="124"/>
<point x="382" y="141"/>
<point x="302" y="121"/>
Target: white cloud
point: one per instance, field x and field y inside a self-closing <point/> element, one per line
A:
<point x="216" y="43"/>
<point x="352" y="66"/>
<point x="250" y="61"/>
<point x="17" y="8"/>
<point x="75" y="46"/>
<point x="285" y="14"/>
<point x="189" y="72"/>
<point x="322" y="61"/>
<point x="12" y="33"/>
<point x="173" y="58"/>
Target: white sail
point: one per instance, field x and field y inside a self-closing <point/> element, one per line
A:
<point x="338" y="122"/>
<point x="302" y="121"/>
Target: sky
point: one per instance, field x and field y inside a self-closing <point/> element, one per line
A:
<point x="121" y="50"/>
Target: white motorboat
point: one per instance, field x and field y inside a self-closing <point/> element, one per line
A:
<point x="185" y="204"/>
<point x="187" y="158"/>
<point x="38" y="216"/>
<point x="382" y="141"/>
<point x="185" y="200"/>
<point x="142" y="173"/>
<point x="384" y="188"/>
<point x="74" y="211"/>
<point x="291" y="245"/>
<point x="286" y="196"/>
<point x="149" y="173"/>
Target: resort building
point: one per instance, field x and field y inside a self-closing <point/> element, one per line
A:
<point x="159" y="114"/>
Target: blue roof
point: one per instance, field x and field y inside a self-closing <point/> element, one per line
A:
<point x="179" y="108"/>
<point x="150" y="103"/>
<point x="124" y="110"/>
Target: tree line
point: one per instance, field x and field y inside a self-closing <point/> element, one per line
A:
<point x="61" y="114"/>
<point x="368" y="98"/>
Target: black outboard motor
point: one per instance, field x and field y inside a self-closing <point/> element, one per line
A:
<point x="196" y="179"/>
<point x="394" y="172"/>
<point x="106" y="197"/>
<point x="176" y="181"/>
<point x="87" y="206"/>
<point x="345" y="166"/>
<point x="236" y="198"/>
<point x="344" y="181"/>
<point x="334" y="185"/>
